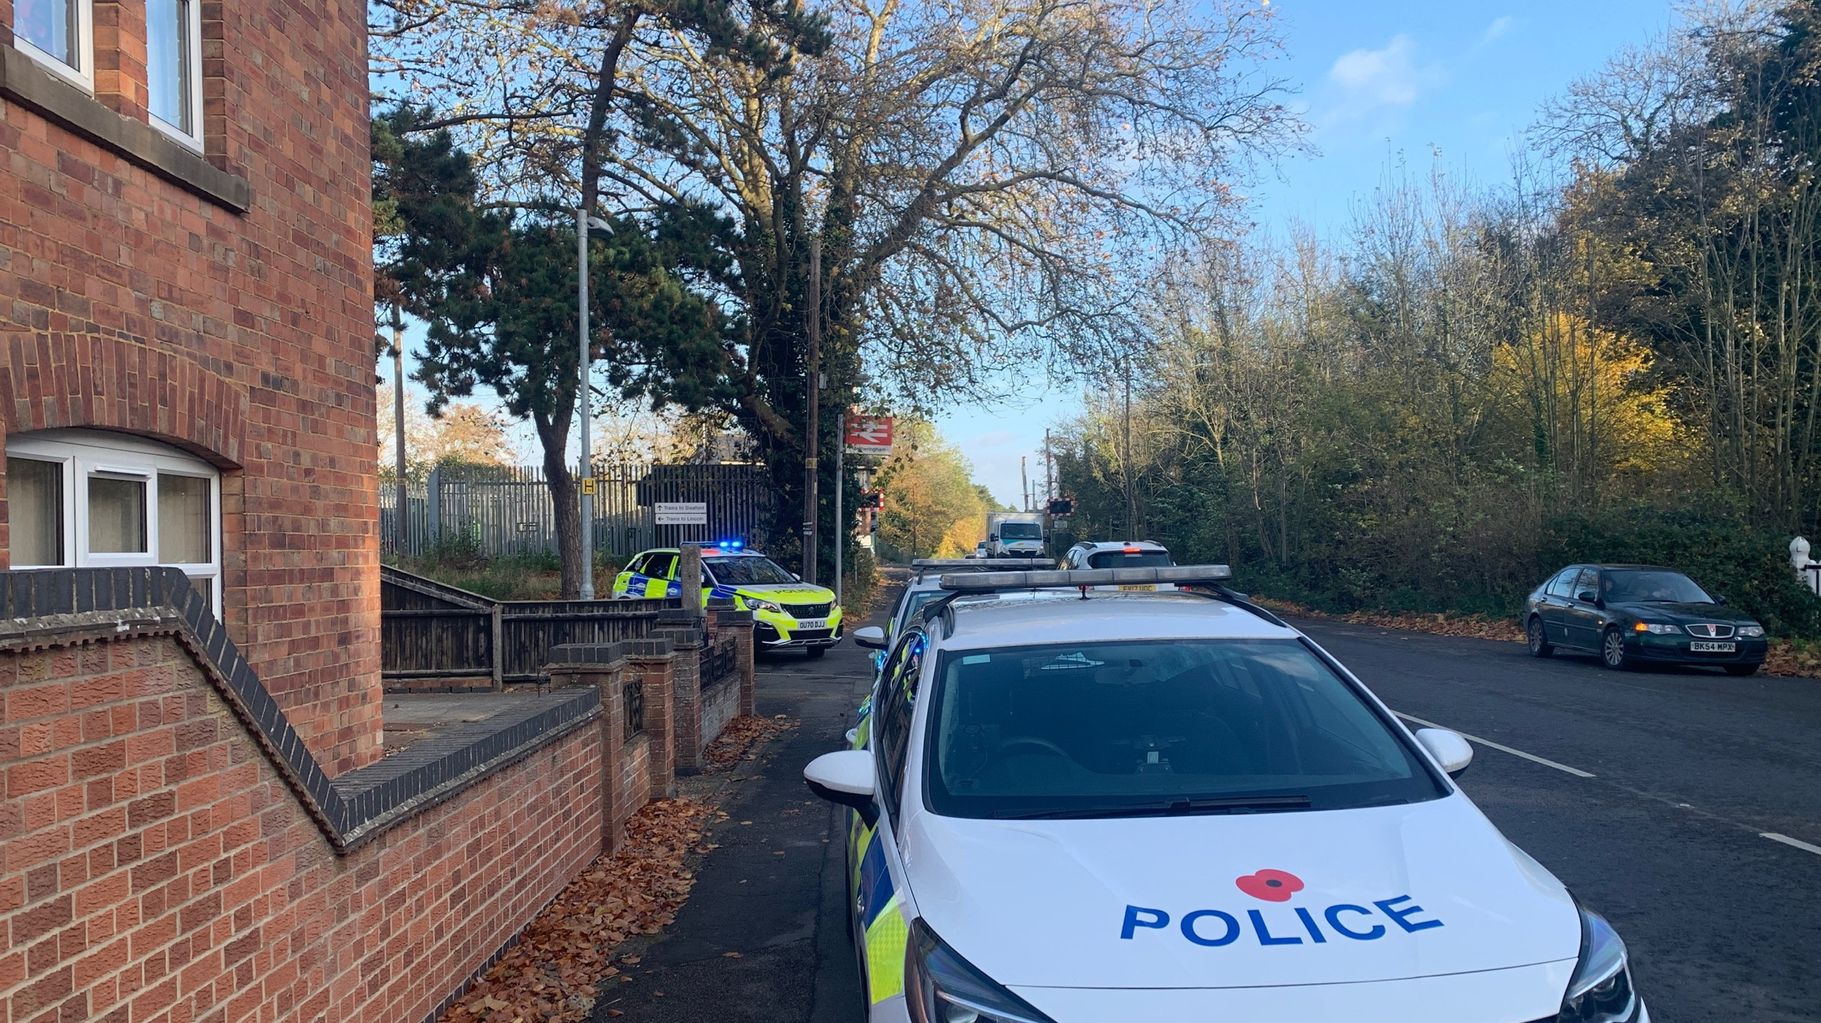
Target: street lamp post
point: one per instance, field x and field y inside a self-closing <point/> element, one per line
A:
<point x="582" y="224"/>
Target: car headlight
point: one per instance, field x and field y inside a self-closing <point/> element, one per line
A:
<point x="755" y="604"/>
<point x="1656" y="628"/>
<point x="942" y="987"/>
<point x="1600" y="990"/>
<point x="1751" y="631"/>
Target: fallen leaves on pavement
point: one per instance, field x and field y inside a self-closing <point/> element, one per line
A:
<point x="742" y="738"/>
<point x="1789" y="658"/>
<point x="553" y="973"/>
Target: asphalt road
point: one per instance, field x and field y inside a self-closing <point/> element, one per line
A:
<point x="1688" y="771"/>
<point x="1651" y="804"/>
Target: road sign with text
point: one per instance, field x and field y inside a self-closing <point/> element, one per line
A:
<point x="682" y="513"/>
<point x="867" y="435"/>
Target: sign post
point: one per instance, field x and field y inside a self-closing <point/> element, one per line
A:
<point x="860" y="435"/>
<point x="682" y="513"/>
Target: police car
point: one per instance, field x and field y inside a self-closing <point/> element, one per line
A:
<point x="1173" y="806"/>
<point x="925" y="585"/>
<point x="786" y="611"/>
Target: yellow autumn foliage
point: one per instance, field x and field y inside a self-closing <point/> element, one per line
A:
<point x="960" y="539"/>
<point x="1587" y="401"/>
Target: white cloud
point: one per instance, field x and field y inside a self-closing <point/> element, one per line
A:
<point x="1366" y="82"/>
<point x="1383" y="77"/>
<point x="1500" y="25"/>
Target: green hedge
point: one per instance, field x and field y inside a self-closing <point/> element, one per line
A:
<point x="1748" y="566"/>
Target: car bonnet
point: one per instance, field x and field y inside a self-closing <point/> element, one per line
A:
<point x="787" y="593"/>
<point x="1314" y="897"/>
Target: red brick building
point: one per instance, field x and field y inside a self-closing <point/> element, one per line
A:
<point x="186" y="353"/>
<point x="196" y="822"/>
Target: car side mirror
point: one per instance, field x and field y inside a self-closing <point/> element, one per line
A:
<point x="846" y="777"/>
<point x="1718" y="599"/>
<point x="797" y="577"/>
<point x="1448" y="748"/>
<point x="993" y="536"/>
<point x="1587" y="597"/>
<point x="871" y="637"/>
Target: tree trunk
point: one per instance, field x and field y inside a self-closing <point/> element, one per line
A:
<point x="554" y="439"/>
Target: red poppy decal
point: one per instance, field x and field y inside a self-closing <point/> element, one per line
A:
<point x="1270" y="885"/>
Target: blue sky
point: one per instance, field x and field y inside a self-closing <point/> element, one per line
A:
<point x="1375" y="80"/>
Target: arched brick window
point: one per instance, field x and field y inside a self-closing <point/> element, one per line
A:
<point x="86" y="498"/>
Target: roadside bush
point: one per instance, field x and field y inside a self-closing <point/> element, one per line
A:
<point x="860" y="588"/>
<point x="533" y="576"/>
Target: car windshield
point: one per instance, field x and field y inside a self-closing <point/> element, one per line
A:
<point x="916" y="601"/>
<point x="747" y="570"/>
<point x="1142" y="728"/>
<point x="1020" y="531"/>
<point x="1129" y="559"/>
<point x="1651" y="587"/>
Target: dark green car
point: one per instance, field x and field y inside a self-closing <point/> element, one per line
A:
<point x="1638" y="614"/>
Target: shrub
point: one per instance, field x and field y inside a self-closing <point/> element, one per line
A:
<point x="1747" y="565"/>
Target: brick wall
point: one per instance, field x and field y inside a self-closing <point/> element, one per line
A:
<point x="155" y="866"/>
<point x="637" y="765"/>
<point x="719" y="705"/>
<point x="131" y="302"/>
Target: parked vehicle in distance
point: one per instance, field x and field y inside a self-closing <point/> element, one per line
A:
<point x="1014" y="535"/>
<point x="1121" y="554"/>
<point x="1073" y="805"/>
<point x="979" y="550"/>
<point x="1640" y="614"/>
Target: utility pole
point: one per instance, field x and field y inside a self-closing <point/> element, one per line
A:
<point x="812" y="437"/>
<point x="841" y="530"/>
<point x="1049" y="481"/>
<point x="1131" y="496"/>
<point x="1024" y="478"/>
<point x="401" y="520"/>
<point x="582" y="222"/>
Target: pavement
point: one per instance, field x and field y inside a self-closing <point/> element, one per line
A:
<point x="1684" y="806"/>
<point x="762" y="938"/>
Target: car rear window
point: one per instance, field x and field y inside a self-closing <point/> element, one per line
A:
<point x="1137" y="727"/>
<point x="1129" y="559"/>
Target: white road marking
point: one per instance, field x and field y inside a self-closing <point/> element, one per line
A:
<point x="1502" y="748"/>
<point x="1794" y="843"/>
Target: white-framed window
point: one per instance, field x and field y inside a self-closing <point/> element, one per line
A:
<point x="60" y="34"/>
<point x="173" y="65"/>
<point x="83" y="499"/>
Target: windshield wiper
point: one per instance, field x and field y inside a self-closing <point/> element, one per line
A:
<point x="1172" y="808"/>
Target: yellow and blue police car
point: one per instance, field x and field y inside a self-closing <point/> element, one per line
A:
<point x="787" y="612"/>
<point x="1171" y="805"/>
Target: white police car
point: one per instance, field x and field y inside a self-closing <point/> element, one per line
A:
<point x="1175" y="807"/>
<point x="925" y="585"/>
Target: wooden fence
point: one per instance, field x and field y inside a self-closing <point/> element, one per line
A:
<point x="437" y="636"/>
<point x="506" y="510"/>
